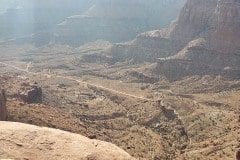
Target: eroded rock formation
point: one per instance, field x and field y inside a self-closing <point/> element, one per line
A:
<point x="204" y="39"/>
<point x="32" y="94"/>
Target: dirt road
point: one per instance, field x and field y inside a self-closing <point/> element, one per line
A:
<point x="75" y="79"/>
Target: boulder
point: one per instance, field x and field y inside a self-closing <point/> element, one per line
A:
<point x="31" y="94"/>
<point x="23" y="141"/>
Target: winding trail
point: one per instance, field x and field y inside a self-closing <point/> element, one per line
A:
<point x="76" y="80"/>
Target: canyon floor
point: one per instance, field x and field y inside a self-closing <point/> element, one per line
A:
<point x="124" y="103"/>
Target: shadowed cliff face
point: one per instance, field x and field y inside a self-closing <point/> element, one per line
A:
<point x="117" y="20"/>
<point x="3" y="109"/>
<point x="135" y="9"/>
<point x="32" y="21"/>
<point x="78" y="21"/>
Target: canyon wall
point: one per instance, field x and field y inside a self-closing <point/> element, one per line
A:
<point x="76" y="22"/>
<point x="205" y="36"/>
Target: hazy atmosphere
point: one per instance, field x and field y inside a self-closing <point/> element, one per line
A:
<point x="120" y="79"/>
<point x="76" y="22"/>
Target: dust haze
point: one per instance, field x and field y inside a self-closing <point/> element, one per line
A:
<point x="147" y="80"/>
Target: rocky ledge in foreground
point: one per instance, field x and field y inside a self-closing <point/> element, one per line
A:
<point x="23" y="141"/>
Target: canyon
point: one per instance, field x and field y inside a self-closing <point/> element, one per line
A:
<point x="167" y="94"/>
<point x="193" y="44"/>
<point x="78" y="22"/>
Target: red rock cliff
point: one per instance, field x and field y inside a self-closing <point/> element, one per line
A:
<point x="206" y="34"/>
<point x="217" y="21"/>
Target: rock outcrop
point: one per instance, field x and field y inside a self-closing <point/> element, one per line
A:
<point x="22" y="88"/>
<point x="204" y="39"/>
<point x="3" y="108"/>
<point x="31" y="94"/>
<point x="217" y="21"/>
<point x="210" y="32"/>
<point x="22" y="141"/>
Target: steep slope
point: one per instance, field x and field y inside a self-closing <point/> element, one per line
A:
<point x="212" y="47"/>
<point x="216" y="21"/>
<point x="22" y="141"/>
<point x="28" y="21"/>
<point x="117" y="20"/>
<point x="205" y="37"/>
<point x="32" y="21"/>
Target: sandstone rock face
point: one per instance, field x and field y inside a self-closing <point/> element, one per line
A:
<point x="205" y="39"/>
<point x="194" y="18"/>
<point x="216" y="21"/>
<point x="3" y="108"/>
<point x="226" y="24"/>
<point x="211" y="31"/>
<point x="22" y="141"/>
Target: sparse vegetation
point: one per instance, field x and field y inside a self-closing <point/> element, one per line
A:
<point x="168" y="94"/>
